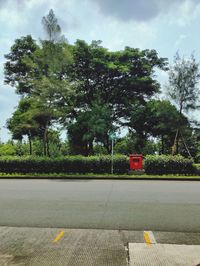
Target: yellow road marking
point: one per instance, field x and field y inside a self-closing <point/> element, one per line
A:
<point x="147" y="238"/>
<point x="58" y="237"/>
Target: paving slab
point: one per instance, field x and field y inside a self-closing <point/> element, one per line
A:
<point x="141" y="254"/>
<point x="36" y="246"/>
<point x="23" y="246"/>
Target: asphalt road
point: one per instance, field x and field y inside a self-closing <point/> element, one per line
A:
<point x="110" y="204"/>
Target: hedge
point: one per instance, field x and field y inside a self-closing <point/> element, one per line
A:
<point x="197" y="169"/>
<point x="69" y="164"/>
<point x="168" y="164"/>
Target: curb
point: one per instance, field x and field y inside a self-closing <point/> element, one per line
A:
<point x="101" y="178"/>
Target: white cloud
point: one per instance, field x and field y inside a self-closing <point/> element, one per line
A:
<point x="183" y="14"/>
<point x="179" y="41"/>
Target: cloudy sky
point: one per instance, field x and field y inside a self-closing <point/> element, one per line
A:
<point x="165" y="25"/>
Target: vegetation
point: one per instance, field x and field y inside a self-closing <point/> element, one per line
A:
<point x="95" y="165"/>
<point x="183" y="89"/>
<point x="168" y="164"/>
<point x="70" y="164"/>
<point x="89" y="93"/>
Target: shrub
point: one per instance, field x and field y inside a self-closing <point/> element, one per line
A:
<point x="69" y="164"/>
<point x="168" y="164"/>
<point x="7" y="149"/>
<point x="197" y="169"/>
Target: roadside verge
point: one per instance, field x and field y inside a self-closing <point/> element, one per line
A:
<point x="100" y="177"/>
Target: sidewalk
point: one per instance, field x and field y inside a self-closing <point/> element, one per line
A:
<point x="85" y="247"/>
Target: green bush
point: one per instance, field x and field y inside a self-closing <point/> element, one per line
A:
<point x="69" y="164"/>
<point x="168" y="164"/>
<point x="197" y="169"/>
<point x="7" y="149"/>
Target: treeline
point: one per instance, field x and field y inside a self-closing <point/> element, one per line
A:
<point x="91" y="93"/>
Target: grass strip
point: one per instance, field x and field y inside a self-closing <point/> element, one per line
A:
<point x="97" y="176"/>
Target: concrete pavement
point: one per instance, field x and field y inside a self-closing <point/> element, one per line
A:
<point x="85" y="247"/>
<point x="163" y="255"/>
<point x="39" y="221"/>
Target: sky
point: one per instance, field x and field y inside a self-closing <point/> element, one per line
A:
<point x="167" y="26"/>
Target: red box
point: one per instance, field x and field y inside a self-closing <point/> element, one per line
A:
<point x="135" y="161"/>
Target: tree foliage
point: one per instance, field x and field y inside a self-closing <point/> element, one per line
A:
<point x="183" y="86"/>
<point x="16" y="70"/>
<point x="51" y="27"/>
<point x="90" y="91"/>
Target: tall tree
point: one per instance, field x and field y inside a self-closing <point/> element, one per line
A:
<point x="52" y="28"/>
<point x="120" y="80"/>
<point x="183" y="87"/>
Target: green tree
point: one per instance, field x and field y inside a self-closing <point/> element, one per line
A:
<point x="22" y="124"/>
<point x="86" y="88"/>
<point x="16" y="70"/>
<point x="183" y="87"/>
<point x="90" y="127"/>
<point x="158" y="119"/>
<point x="162" y="122"/>
<point x="119" y="80"/>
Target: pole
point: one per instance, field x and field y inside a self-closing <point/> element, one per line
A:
<point x="112" y="158"/>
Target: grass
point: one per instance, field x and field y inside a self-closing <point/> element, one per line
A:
<point x="97" y="176"/>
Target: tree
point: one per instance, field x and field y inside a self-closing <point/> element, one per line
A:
<point x="91" y="126"/>
<point x="86" y="88"/>
<point x="21" y="123"/>
<point x="162" y="122"/>
<point x="48" y="75"/>
<point x="183" y="87"/>
<point x="38" y="73"/>
<point x="16" y="70"/>
<point x="119" y="80"/>
<point x="52" y="28"/>
<point x="157" y="119"/>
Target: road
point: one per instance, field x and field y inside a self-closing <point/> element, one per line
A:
<point x="110" y="204"/>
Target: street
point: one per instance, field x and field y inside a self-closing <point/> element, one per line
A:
<point x="111" y="204"/>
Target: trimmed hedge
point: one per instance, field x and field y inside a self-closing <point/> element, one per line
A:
<point x="168" y="164"/>
<point x="69" y="164"/>
<point x="197" y="169"/>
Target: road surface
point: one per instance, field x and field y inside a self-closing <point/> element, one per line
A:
<point x="101" y="204"/>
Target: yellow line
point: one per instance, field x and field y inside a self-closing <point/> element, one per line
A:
<point x="147" y="238"/>
<point x="58" y="237"/>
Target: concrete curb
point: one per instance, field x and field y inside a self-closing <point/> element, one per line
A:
<point x="81" y="177"/>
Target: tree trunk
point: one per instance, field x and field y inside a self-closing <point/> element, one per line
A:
<point x="176" y="141"/>
<point x="107" y="145"/>
<point x="47" y="143"/>
<point x="44" y="147"/>
<point x="91" y="148"/>
<point x="162" y="145"/>
<point x="30" y="144"/>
